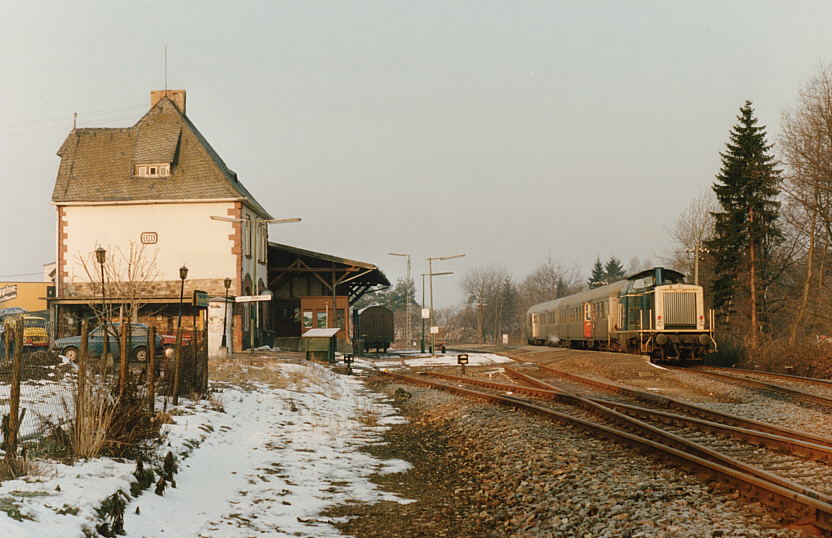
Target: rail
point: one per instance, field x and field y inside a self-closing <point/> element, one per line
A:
<point x="794" y="393"/>
<point x="768" y="488"/>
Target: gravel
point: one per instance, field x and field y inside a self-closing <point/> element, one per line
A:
<point x="479" y="470"/>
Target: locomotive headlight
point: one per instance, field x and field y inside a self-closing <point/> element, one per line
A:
<point x="659" y="322"/>
<point x="700" y="323"/>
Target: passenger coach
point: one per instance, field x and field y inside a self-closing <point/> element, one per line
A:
<point x="653" y="312"/>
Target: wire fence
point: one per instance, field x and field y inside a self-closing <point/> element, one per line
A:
<point x="46" y="385"/>
<point x="39" y="385"/>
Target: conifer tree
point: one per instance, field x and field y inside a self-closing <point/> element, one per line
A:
<point x="599" y="276"/>
<point x="614" y="270"/>
<point x="745" y="228"/>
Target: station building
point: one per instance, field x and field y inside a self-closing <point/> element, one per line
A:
<point x="157" y="199"/>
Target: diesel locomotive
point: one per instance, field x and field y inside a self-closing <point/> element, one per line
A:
<point x="652" y="312"/>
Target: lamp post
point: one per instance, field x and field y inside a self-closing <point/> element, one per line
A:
<point x="423" y="312"/>
<point x="430" y="273"/>
<point x="183" y="274"/>
<point x="430" y="312"/>
<point x="407" y="298"/>
<point x="227" y="283"/>
<point x="423" y="302"/>
<point x="255" y="223"/>
<point x="101" y="257"/>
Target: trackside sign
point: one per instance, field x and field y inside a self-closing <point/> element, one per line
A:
<point x="252" y="298"/>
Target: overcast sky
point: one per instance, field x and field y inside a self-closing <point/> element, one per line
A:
<point x="508" y="131"/>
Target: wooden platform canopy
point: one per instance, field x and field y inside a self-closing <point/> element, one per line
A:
<point x="312" y="290"/>
<point x="295" y="272"/>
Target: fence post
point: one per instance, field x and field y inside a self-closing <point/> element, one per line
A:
<point x="6" y="342"/>
<point x="81" y="401"/>
<point x="197" y="373"/>
<point x="12" y="424"/>
<point x="151" y="369"/>
<point x="122" y="386"/>
<point x="177" y="366"/>
<point x="203" y="358"/>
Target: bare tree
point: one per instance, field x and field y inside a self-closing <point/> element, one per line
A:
<point x="695" y="225"/>
<point x="636" y="265"/>
<point x="129" y="276"/>
<point x="492" y="291"/>
<point x="548" y="281"/>
<point x="806" y="147"/>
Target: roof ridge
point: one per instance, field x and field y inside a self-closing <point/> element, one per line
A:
<point x="110" y="162"/>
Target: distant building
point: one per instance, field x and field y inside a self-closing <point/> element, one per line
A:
<point x="30" y="296"/>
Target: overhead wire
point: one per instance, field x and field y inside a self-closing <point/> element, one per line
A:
<point x="27" y="127"/>
<point x="3" y="277"/>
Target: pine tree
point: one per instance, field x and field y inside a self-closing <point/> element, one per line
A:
<point x="614" y="270"/>
<point x="745" y="229"/>
<point x="599" y="276"/>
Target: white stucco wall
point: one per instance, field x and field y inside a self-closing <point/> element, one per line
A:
<point x="185" y="235"/>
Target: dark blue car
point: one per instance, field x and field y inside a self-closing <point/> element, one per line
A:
<point x="68" y="347"/>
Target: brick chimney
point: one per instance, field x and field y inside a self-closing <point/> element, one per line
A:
<point x="176" y="96"/>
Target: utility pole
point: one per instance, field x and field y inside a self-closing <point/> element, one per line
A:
<point x="697" y="250"/>
<point x="430" y="274"/>
<point x="407" y="332"/>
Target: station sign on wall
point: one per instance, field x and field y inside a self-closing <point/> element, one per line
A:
<point x="149" y="238"/>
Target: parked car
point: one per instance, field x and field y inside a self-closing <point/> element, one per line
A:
<point x="169" y="343"/>
<point x="68" y="347"/>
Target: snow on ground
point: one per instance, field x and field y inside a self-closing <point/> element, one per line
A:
<point x="256" y="459"/>
<point x="448" y="359"/>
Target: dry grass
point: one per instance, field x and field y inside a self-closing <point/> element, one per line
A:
<point x="367" y="412"/>
<point x="93" y="419"/>
<point x="278" y="373"/>
<point x="17" y="467"/>
<point x="216" y="403"/>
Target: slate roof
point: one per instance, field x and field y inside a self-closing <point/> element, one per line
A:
<point x="97" y="164"/>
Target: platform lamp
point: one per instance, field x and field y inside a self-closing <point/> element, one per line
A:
<point x="227" y="283"/>
<point x="183" y="274"/>
<point x="430" y="271"/>
<point x="423" y="303"/>
<point x="101" y="257"/>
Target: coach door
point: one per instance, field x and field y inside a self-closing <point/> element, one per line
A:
<point x="587" y="320"/>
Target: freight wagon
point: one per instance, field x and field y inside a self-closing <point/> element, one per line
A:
<point x="373" y="328"/>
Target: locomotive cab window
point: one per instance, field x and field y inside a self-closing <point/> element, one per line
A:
<point x="643" y="283"/>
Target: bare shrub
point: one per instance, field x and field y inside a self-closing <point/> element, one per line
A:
<point x="807" y="358"/>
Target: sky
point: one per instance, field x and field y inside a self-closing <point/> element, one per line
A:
<point x="270" y="473"/>
<point x="509" y="131"/>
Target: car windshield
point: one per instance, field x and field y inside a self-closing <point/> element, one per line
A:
<point x="34" y="322"/>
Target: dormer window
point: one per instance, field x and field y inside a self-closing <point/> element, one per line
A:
<point x="152" y="170"/>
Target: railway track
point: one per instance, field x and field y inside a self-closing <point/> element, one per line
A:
<point x="799" y="501"/>
<point x="801" y="460"/>
<point x="795" y="391"/>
